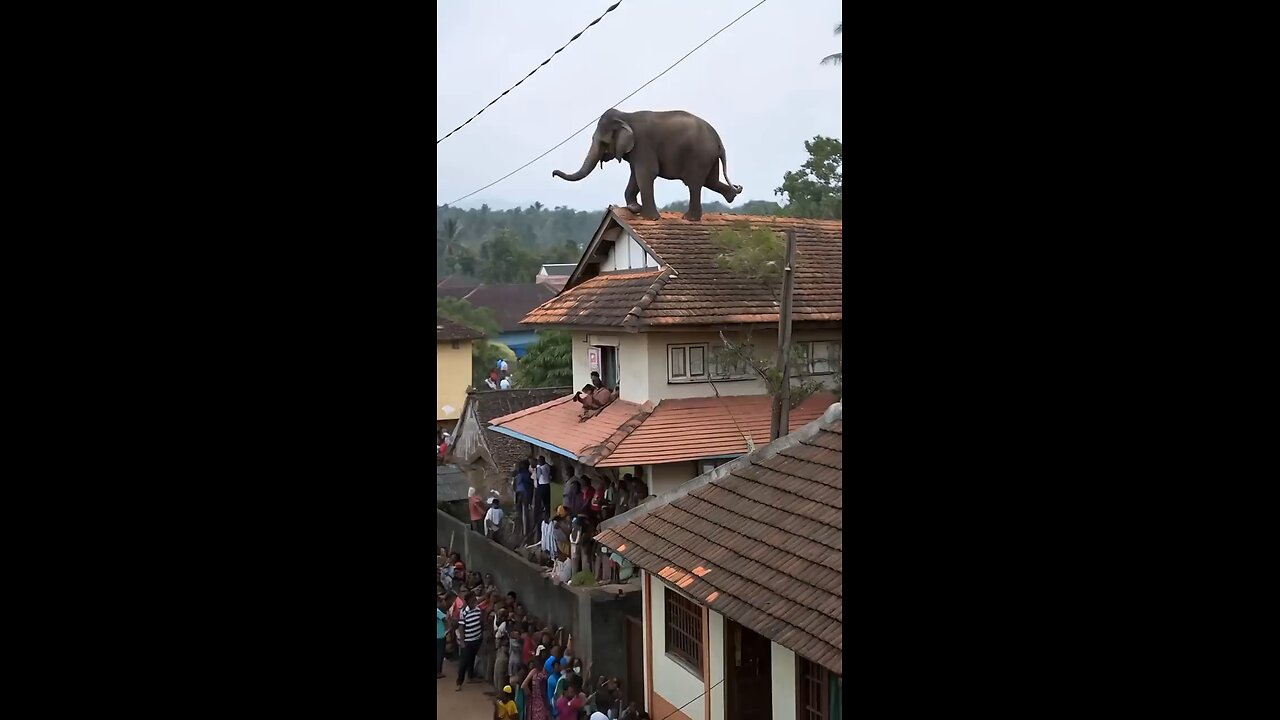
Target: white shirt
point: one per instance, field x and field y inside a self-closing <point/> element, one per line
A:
<point x="505" y="384"/>
<point x="549" y="537"/>
<point x="544" y="474"/>
<point x="502" y="364"/>
<point x="493" y="518"/>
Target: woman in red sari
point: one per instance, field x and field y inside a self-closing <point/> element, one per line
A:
<point x="536" y="696"/>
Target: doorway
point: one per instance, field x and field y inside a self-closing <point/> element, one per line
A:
<point x="633" y="688"/>
<point x="608" y="365"/>
<point x="747" y="663"/>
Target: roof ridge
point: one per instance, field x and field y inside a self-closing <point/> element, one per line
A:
<point x="633" y="315"/>
<point x="764" y="453"/>
<point x="609" y="444"/>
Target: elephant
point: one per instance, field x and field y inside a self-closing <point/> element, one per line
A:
<point x="671" y="144"/>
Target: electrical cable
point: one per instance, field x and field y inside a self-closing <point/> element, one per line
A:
<point x="610" y="9"/>
<point x="596" y="118"/>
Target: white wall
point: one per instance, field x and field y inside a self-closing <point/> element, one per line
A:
<point x="633" y="371"/>
<point x="717" y="665"/>
<point x="764" y="340"/>
<point x="671" y="680"/>
<point x="783" y="674"/>
<point x="581" y="364"/>
<point x="669" y="476"/>
<point x="625" y="253"/>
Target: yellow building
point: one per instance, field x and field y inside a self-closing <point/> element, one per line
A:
<point x="453" y="369"/>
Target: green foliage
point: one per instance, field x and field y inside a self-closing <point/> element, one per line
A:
<point x="548" y="362"/>
<point x="541" y="236"/>
<point x="815" y="190"/>
<point x="484" y="355"/>
<point x="756" y="254"/>
<point x="585" y="578"/>
<point x="763" y="361"/>
<point x="837" y="58"/>
<point x="464" y="313"/>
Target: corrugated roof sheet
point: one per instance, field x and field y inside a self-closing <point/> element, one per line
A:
<point x="692" y="289"/>
<point x="692" y="428"/>
<point x="760" y="540"/>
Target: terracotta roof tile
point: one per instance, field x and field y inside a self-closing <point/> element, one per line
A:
<point x="692" y="289"/>
<point x="767" y="532"/>
<point x="692" y="428"/>
<point x="604" y="300"/>
<point x="557" y="423"/>
<point x="447" y="330"/>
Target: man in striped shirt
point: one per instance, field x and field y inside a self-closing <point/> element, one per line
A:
<point x="469" y="621"/>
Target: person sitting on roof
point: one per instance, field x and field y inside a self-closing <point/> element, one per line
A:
<point x="593" y="400"/>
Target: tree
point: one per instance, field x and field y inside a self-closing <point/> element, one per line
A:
<point x="464" y="313"/>
<point x="549" y="361"/>
<point x="836" y="58"/>
<point x="758" y="254"/>
<point x="448" y="244"/>
<point x="815" y="190"/>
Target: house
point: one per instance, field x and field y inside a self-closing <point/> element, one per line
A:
<point x="509" y="303"/>
<point x="647" y="306"/>
<point x="554" y="275"/>
<point x="486" y="456"/>
<point x="453" y="369"/>
<point x="741" y="573"/>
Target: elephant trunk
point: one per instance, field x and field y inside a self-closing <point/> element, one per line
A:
<point x="593" y="157"/>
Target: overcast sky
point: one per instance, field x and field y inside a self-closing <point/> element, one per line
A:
<point x="758" y="83"/>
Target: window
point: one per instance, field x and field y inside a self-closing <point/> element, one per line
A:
<point x="684" y="628"/>
<point x="455" y="345"/>
<point x="697" y="363"/>
<point x="818" y="358"/>
<point x="706" y="466"/>
<point x="818" y="692"/>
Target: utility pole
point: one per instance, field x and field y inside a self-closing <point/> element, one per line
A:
<point x="782" y="401"/>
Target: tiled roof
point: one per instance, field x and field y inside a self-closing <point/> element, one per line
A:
<point x="759" y="540"/>
<point x="451" y="484"/>
<point x="604" y="300"/>
<point x="447" y="329"/>
<point x="692" y="289"/>
<point x="455" y="287"/>
<point x="557" y="423"/>
<point x="692" y="428"/>
<point x="506" y="451"/>
<point x="510" y="302"/>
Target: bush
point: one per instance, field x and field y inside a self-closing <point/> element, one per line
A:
<point x="586" y="578"/>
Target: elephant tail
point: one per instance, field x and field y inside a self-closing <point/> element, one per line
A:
<point x="724" y="166"/>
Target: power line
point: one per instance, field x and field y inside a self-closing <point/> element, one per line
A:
<point x="593" y="120"/>
<point x="610" y="9"/>
<point x="695" y="697"/>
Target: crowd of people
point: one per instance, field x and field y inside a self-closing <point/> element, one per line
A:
<point x="534" y="670"/>
<point x="499" y="377"/>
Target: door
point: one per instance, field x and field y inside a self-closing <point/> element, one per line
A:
<point x="747" y="663"/>
<point x="633" y="683"/>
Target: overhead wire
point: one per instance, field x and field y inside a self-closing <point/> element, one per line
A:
<point x="628" y="97"/>
<point x="608" y="10"/>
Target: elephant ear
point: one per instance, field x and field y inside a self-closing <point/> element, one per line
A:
<point x="623" y="140"/>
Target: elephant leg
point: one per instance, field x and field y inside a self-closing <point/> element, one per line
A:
<point x="633" y="193"/>
<point x="713" y="184"/>
<point x="649" y="204"/>
<point x="694" y="213"/>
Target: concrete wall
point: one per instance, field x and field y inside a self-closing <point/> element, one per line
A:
<point x="669" y="476"/>
<point x="453" y="375"/>
<point x="673" y="682"/>
<point x="717" y="665"/>
<point x="632" y="369"/>
<point x="581" y="364"/>
<point x="660" y="388"/>
<point x="783" y="674"/>
<point x="595" y="617"/>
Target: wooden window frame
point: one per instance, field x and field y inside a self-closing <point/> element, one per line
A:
<point x="708" y="362"/>
<point x="804" y="671"/>
<point x="682" y="620"/>
<point x="806" y="369"/>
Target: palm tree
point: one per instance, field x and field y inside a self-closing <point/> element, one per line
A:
<point x="834" y="59"/>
